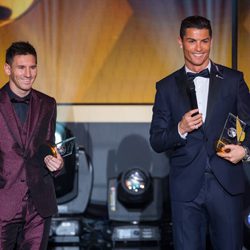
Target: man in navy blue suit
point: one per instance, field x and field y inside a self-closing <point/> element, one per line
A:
<point x="206" y="186"/>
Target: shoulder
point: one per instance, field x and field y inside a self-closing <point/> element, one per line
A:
<point x="43" y="96"/>
<point x="227" y="72"/>
<point x="170" y="79"/>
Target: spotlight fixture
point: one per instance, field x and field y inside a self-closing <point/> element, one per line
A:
<point x="135" y="206"/>
<point x="65" y="227"/>
<point x="134" y="195"/>
<point x="246" y="228"/>
<point x="135" y="188"/>
<point x="247" y="218"/>
<point x="135" y="181"/>
<point x="73" y="188"/>
<point x="65" y="231"/>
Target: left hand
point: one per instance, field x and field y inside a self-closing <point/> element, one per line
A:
<point x="232" y="153"/>
<point x="54" y="163"/>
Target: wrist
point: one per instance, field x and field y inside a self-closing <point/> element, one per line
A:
<point x="180" y="129"/>
<point x="246" y="157"/>
<point x="182" y="133"/>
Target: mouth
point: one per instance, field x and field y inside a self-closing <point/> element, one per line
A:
<point x="198" y="55"/>
<point x="27" y="79"/>
<point x="27" y="82"/>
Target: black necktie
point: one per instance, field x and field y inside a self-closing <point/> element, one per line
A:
<point x="203" y="73"/>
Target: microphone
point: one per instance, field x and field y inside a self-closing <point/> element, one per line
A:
<point x="192" y="95"/>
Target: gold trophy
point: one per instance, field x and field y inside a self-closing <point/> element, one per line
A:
<point x="64" y="147"/>
<point x="232" y="133"/>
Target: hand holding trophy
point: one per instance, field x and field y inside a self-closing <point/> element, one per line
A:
<point x="232" y="133"/>
<point x="64" y="147"/>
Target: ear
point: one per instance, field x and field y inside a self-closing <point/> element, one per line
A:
<point x="7" y="69"/>
<point x="180" y="42"/>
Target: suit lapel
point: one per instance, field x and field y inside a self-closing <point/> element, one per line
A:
<point x="34" y="114"/>
<point x="181" y="81"/>
<point x="9" y="116"/>
<point x="216" y="76"/>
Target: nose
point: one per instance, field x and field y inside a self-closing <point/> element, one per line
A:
<point x="198" y="47"/>
<point x="27" y="72"/>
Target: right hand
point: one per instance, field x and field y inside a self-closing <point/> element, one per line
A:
<point x="54" y="163"/>
<point x="190" y="121"/>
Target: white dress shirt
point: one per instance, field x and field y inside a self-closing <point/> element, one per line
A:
<point x="201" y="89"/>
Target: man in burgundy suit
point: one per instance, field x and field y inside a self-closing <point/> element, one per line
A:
<point x="27" y="121"/>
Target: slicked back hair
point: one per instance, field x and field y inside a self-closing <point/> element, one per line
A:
<point x="198" y="22"/>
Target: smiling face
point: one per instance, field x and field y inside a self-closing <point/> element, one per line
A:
<point x="196" y="44"/>
<point x="22" y="74"/>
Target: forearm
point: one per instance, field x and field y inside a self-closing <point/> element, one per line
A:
<point x="163" y="140"/>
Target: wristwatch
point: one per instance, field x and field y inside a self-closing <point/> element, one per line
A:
<point x="246" y="158"/>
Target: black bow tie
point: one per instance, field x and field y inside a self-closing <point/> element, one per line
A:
<point x="25" y="100"/>
<point x="203" y="73"/>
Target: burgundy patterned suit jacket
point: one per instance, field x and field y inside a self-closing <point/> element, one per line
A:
<point x="21" y="169"/>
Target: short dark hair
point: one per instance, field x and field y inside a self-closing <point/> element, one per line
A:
<point x="19" y="48"/>
<point x="198" y="22"/>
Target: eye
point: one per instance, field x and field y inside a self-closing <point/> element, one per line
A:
<point x="206" y="41"/>
<point x="191" y="41"/>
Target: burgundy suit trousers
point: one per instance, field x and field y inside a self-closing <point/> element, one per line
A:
<point x="26" y="231"/>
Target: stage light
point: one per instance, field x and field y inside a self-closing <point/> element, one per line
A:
<point x="135" y="181"/>
<point x="66" y="183"/>
<point x="136" y="233"/>
<point x="74" y="184"/>
<point x="247" y="219"/>
<point x="58" y="137"/>
<point x="65" y="231"/>
<point x="246" y="208"/>
<point x="65" y="227"/>
<point x="135" y="188"/>
<point x="135" y="196"/>
<point x="246" y="228"/>
<point x="135" y="206"/>
<point x="61" y="132"/>
<point x="73" y="189"/>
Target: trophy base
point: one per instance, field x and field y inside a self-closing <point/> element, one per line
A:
<point x="53" y="150"/>
<point x="63" y="148"/>
<point x="220" y="145"/>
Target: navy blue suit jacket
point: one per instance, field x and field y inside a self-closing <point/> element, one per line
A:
<point x="228" y="92"/>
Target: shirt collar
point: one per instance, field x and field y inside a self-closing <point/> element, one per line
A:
<point x="208" y="67"/>
<point x="12" y="95"/>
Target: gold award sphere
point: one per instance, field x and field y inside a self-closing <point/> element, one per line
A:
<point x="13" y="9"/>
